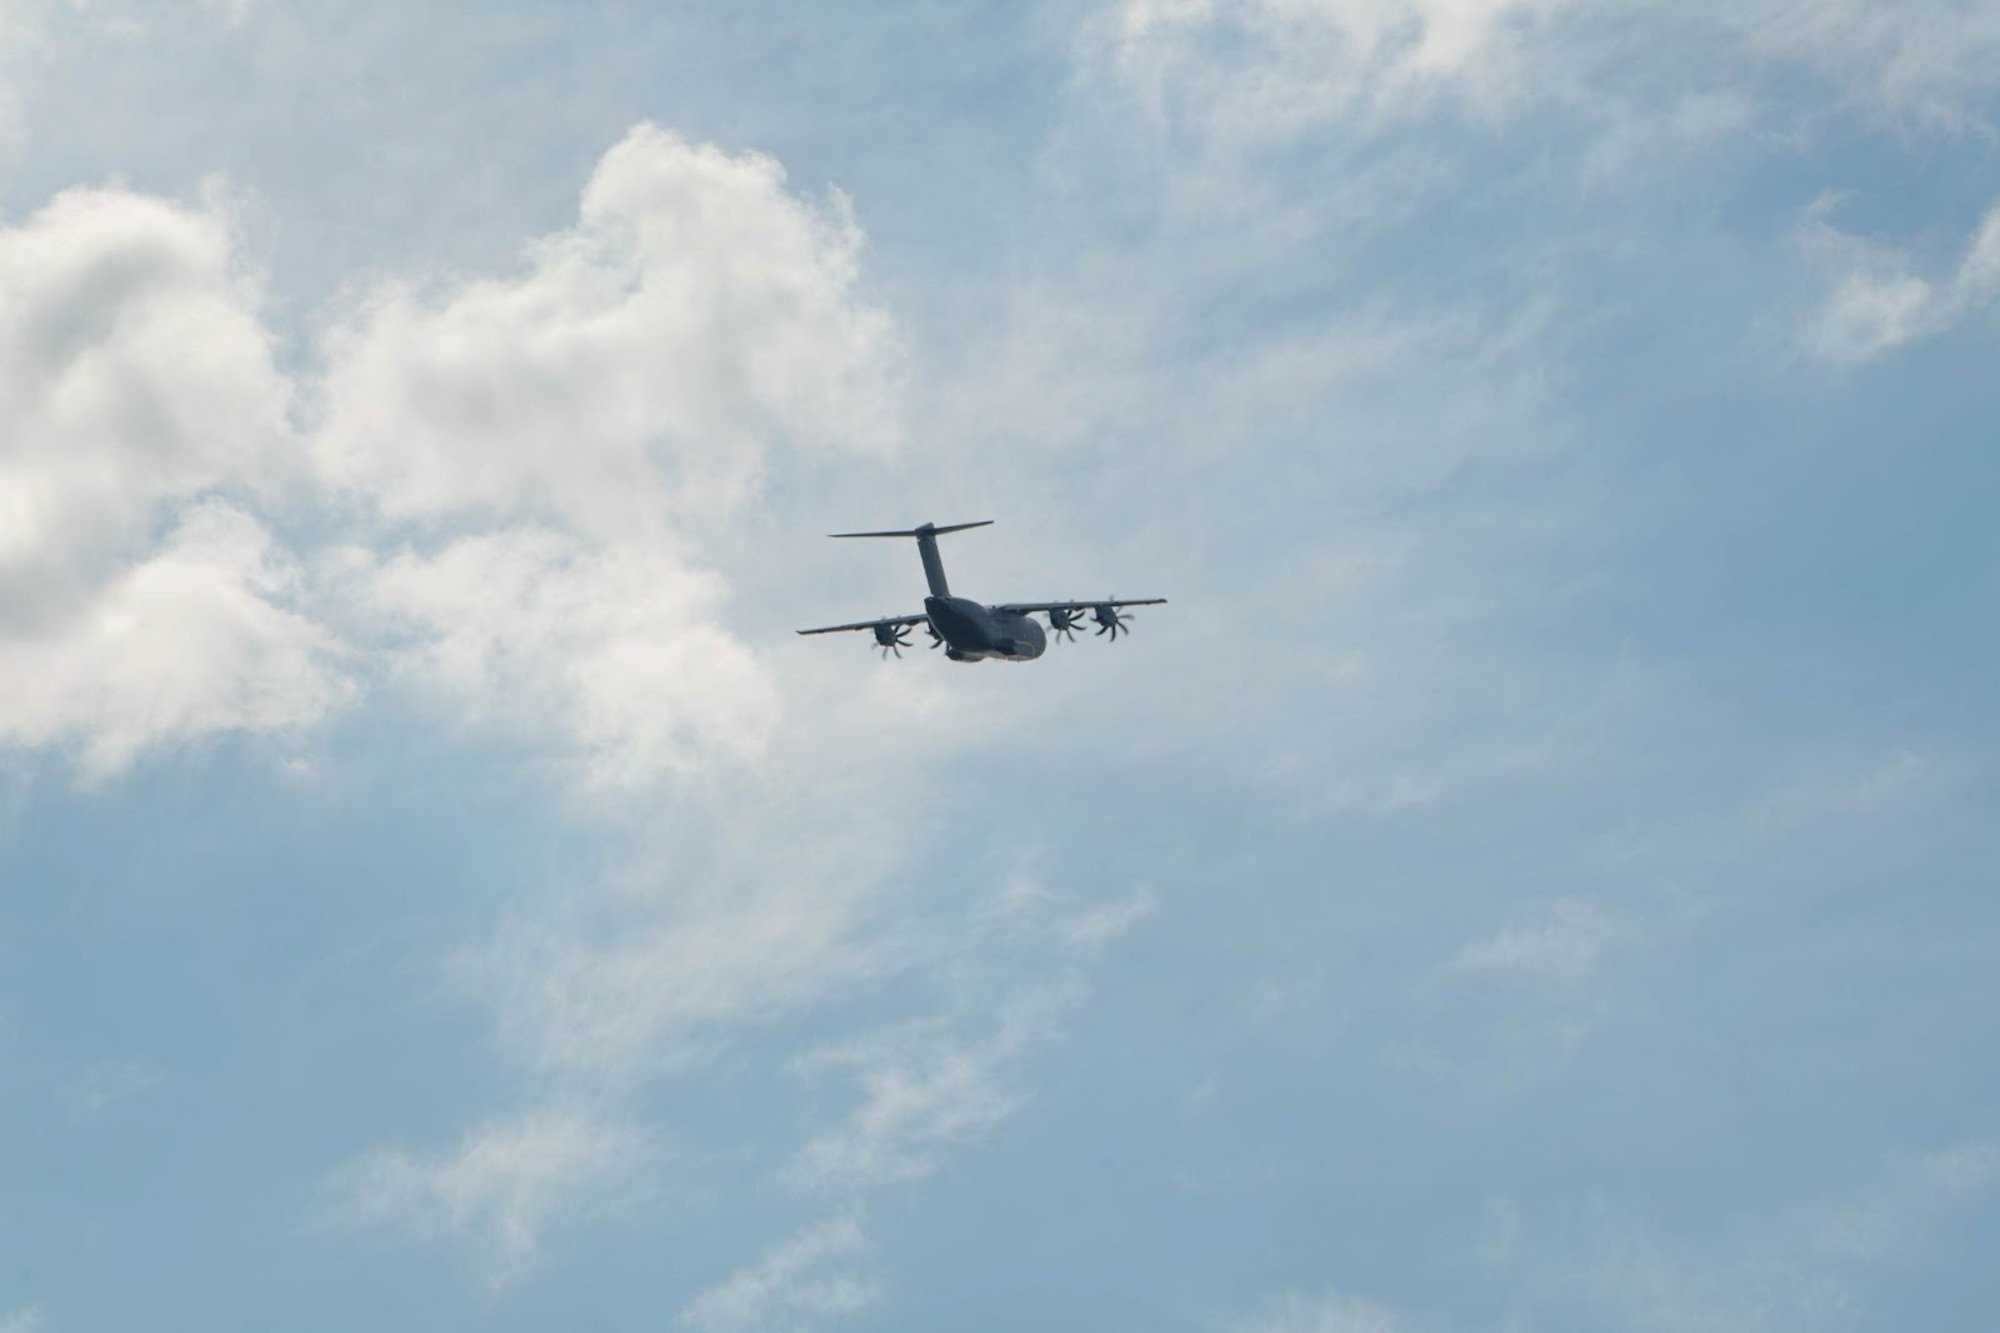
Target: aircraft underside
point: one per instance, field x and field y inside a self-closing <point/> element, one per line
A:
<point x="975" y="633"/>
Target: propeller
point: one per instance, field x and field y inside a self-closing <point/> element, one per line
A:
<point x="892" y="639"/>
<point x="937" y="639"/>
<point x="1065" y="621"/>
<point x="1109" y="621"/>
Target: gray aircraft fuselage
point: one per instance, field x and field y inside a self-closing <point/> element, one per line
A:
<point x="975" y="633"/>
<point x="971" y="631"/>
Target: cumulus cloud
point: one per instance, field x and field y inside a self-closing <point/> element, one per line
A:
<point x="798" y="1285"/>
<point x="1877" y="301"/>
<point x="195" y="640"/>
<point x="557" y="440"/>
<point x="641" y="366"/>
<point x="618" y="645"/>
<point x="498" y="1191"/>
<point x="137" y="390"/>
<point x="524" y="464"/>
<point x="133" y="372"/>
<point x="26" y="1320"/>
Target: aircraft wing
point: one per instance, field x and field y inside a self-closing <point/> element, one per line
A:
<point x="1027" y="608"/>
<point x="918" y="619"/>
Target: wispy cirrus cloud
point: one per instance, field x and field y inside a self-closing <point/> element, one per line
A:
<point x="1250" y="69"/>
<point x="1562" y="942"/>
<point x="1878" y="300"/>
<point x="1814" y="1264"/>
<point x="1245" y="72"/>
<point x="497" y="1192"/>
<point x="1599" y="1262"/>
<point x="1513" y="1009"/>
<point x="816" y="1276"/>
<point x="925" y="1093"/>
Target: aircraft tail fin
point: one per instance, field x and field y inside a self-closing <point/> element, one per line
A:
<point x="926" y="536"/>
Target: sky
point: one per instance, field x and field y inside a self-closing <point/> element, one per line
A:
<point x="1539" y="872"/>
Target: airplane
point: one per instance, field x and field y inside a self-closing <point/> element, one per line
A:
<point x="970" y="632"/>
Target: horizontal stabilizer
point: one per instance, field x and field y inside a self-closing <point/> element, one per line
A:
<point x="927" y="530"/>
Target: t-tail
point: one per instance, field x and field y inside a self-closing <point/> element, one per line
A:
<point x="926" y="536"/>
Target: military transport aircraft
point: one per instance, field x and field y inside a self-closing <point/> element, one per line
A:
<point x="969" y="632"/>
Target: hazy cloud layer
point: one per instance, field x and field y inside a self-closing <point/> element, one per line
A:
<point x="1245" y="71"/>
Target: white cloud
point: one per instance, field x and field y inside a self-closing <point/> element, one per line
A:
<point x="540" y="465"/>
<point x="640" y="368"/>
<point x="26" y="1320"/>
<point x="800" y="1284"/>
<point x="193" y="641"/>
<point x="136" y="382"/>
<point x="133" y="373"/>
<point x="615" y="645"/>
<point x="560" y="438"/>
<point x="498" y="1191"/>
<point x="1329" y="1312"/>
<point x="589" y="420"/>
<point x="1876" y="301"/>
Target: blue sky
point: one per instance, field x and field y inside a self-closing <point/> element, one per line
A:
<point x="1537" y="874"/>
